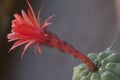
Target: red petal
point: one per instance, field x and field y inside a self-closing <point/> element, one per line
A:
<point x="26" y="30"/>
<point x="26" y="47"/>
<point x="26" y="18"/>
<point x="32" y="15"/>
<point x="18" y="17"/>
<point x="47" y="22"/>
<point x="38" y="49"/>
<point x="19" y="43"/>
<point x="38" y="16"/>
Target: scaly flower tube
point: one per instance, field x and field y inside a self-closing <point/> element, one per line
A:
<point x="26" y="29"/>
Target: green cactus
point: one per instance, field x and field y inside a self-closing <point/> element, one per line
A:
<point x="108" y="67"/>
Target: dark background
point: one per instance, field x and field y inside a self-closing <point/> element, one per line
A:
<point x="88" y="25"/>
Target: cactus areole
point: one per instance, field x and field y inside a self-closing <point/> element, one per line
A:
<point x="108" y="67"/>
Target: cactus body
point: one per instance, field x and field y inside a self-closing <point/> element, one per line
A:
<point x="108" y="67"/>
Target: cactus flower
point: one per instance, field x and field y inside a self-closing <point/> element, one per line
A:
<point x="27" y="29"/>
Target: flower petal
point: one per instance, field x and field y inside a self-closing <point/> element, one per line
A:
<point x="18" y="17"/>
<point x="38" y="16"/>
<point x="32" y="15"/>
<point x="18" y="43"/>
<point x="38" y="49"/>
<point x="15" y="35"/>
<point x="47" y="22"/>
<point x="26" y="18"/>
<point x="26" y="30"/>
<point x="26" y="47"/>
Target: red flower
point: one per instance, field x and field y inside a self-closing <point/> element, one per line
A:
<point x="27" y="29"/>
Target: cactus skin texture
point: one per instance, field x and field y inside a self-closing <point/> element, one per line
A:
<point x="108" y="67"/>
